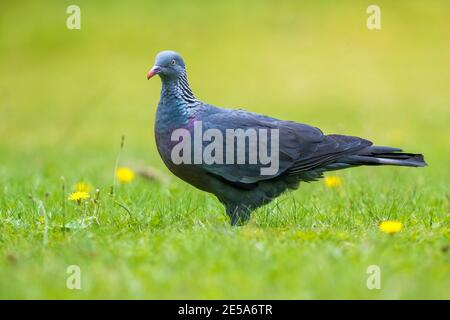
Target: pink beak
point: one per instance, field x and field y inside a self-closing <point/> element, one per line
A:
<point x="153" y="71"/>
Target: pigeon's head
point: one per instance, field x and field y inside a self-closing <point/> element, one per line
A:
<point x="168" y="65"/>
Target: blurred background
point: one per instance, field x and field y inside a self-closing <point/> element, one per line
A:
<point x="67" y="96"/>
<point x="73" y="93"/>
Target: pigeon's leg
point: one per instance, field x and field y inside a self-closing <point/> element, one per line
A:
<point x="238" y="215"/>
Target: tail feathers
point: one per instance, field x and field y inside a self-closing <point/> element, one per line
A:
<point x="376" y="155"/>
<point x="400" y="159"/>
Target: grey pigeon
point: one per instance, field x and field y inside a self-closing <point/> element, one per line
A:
<point x="304" y="152"/>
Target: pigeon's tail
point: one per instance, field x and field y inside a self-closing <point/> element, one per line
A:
<point x="376" y="155"/>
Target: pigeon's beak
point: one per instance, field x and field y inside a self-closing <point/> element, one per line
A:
<point x="153" y="71"/>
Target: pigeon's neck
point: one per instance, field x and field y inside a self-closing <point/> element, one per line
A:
<point x="177" y="105"/>
<point x="177" y="95"/>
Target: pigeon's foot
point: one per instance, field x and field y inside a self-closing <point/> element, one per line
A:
<point x="238" y="215"/>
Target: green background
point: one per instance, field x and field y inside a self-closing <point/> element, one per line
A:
<point x="67" y="96"/>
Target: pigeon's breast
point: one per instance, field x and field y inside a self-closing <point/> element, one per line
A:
<point x="166" y="125"/>
<point x="190" y="173"/>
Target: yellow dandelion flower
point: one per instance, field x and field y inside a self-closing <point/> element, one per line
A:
<point x="333" y="181"/>
<point x="78" y="196"/>
<point x="82" y="187"/>
<point x="125" y="174"/>
<point x="390" y="227"/>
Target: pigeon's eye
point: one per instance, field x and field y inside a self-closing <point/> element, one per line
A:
<point x="173" y="62"/>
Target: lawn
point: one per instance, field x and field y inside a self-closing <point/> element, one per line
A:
<point x="68" y="96"/>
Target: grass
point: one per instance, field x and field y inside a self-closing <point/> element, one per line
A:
<point x="66" y="98"/>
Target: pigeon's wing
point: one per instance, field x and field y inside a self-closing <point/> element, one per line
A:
<point x="303" y="150"/>
<point x="328" y="151"/>
<point x="296" y="141"/>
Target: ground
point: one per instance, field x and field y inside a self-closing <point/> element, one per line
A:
<point x="67" y="97"/>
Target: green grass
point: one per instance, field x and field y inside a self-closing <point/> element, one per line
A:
<point x="66" y="97"/>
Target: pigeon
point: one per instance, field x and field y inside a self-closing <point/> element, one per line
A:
<point x="302" y="153"/>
